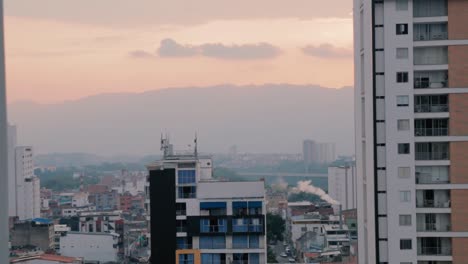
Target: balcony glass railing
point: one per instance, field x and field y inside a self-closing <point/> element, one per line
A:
<point x="214" y="229"/>
<point x="213" y="245"/>
<point x="181" y="212"/>
<point x="426" y="108"/>
<point x="433" y="227"/>
<point x="433" y="204"/>
<point x="427" y="178"/>
<point x="425" y="83"/>
<point x="432" y="155"/>
<point x="181" y="229"/>
<point x="431" y="132"/>
<point x="247" y="228"/>
<point x="430" y="31"/>
<point x="184" y="246"/>
<point x="435" y="251"/>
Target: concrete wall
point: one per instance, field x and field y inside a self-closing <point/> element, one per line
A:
<point x="91" y="247"/>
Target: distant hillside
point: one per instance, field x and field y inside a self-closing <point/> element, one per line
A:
<point x="268" y="118"/>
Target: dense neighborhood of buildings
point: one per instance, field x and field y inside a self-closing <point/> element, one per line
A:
<point x="208" y="220"/>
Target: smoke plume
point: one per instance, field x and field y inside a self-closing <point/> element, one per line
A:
<point x="306" y="186"/>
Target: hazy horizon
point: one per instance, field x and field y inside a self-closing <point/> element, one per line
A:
<point x="225" y="115"/>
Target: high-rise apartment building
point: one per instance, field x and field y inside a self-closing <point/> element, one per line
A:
<point x="318" y="153"/>
<point x="25" y="200"/>
<point x="12" y="142"/>
<point x="342" y="183"/>
<point x="194" y="218"/>
<point x="411" y="83"/>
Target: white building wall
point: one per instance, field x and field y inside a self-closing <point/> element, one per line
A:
<point x="36" y="182"/>
<point x="91" y="247"/>
<point x="364" y="138"/>
<point x="342" y="183"/>
<point x="24" y="173"/>
<point x="11" y="170"/>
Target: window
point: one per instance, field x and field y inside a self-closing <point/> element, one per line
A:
<point x="405" y="220"/>
<point x="212" y="242"/>
<point x="240" y="242"/>
<point x="254" y="241"/>
<point x="186" y="259"/>
<point x="402" y="100"/>
<point x="403" y="148"/>
<point x="402" y="29"/>
<point x="405" y="244"/>
<point x="186" y="176"/>
<point x="402" y="77"/>
<point x="401" y="5"/>
<point x="403" y="124"/>
<point x="187" y="192"/>
<point x="405" y="196"/>
<point x="404" y="172"/>
<point x="212" y="258"/>
<point x="213" y="226"/>
<point x="402" y="53"/>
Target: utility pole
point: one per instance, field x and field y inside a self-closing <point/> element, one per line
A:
<point x="4" y="230"/>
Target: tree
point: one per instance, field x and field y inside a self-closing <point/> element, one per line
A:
<point x="275" y="227"/>
<point x="271" y="257"/>
<point x="303" y="196"/>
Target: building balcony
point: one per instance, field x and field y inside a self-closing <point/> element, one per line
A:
<point x="435" y="251"/>
<point x="184" y="246"/>
<point x="213" y="229"/>
<point x="430" y="79"/>
<point x="432" y="151"/>
<point x="430" y="31"/>
<point x="427" y="178"/>
<point x="431" y="108"/>
<point x="432" y="155"/>
<point x="181" y="212"/>
<point x="433" y="199"/>
<point x="430" y="56"/>
<point x="181" y="229"/>
<point x="431" y="132"/>
<point x="432" y="8"/>
<point x="247" y="228"/>
<point x="433" y="222"/>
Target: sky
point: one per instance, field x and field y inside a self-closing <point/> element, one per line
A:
<point x="59" y="50"/>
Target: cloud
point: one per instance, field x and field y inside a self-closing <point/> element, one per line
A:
<point x="240" y="52"/>
<point x="327" y="50"/>
<point x="141" y="54"/>
<point x="170" y="48"/>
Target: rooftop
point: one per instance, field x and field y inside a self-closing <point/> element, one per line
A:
<point x="49" y="257"/>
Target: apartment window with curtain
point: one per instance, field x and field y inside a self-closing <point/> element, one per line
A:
<point x="405" y="196"/>
<point x="403" y="124"/>
<point x="405" y="220"/>
<point x="405" y="244"/>
<point x="402" y="77"/>
<point x="402" y="29"/>
<point x="402" y="100"/>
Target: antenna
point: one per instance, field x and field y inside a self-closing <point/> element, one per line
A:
<point x="196" y="145"/>
<point x="166" y="147"/>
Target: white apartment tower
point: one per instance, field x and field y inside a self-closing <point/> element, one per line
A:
<point x="342" y="182"/>
<point x="411" y="98"/>
<point x="25" y="201"/>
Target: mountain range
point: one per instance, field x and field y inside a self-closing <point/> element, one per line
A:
<point x="262" y="119"/>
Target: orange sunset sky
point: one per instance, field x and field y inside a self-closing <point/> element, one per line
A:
<point x="60" y="50"/>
